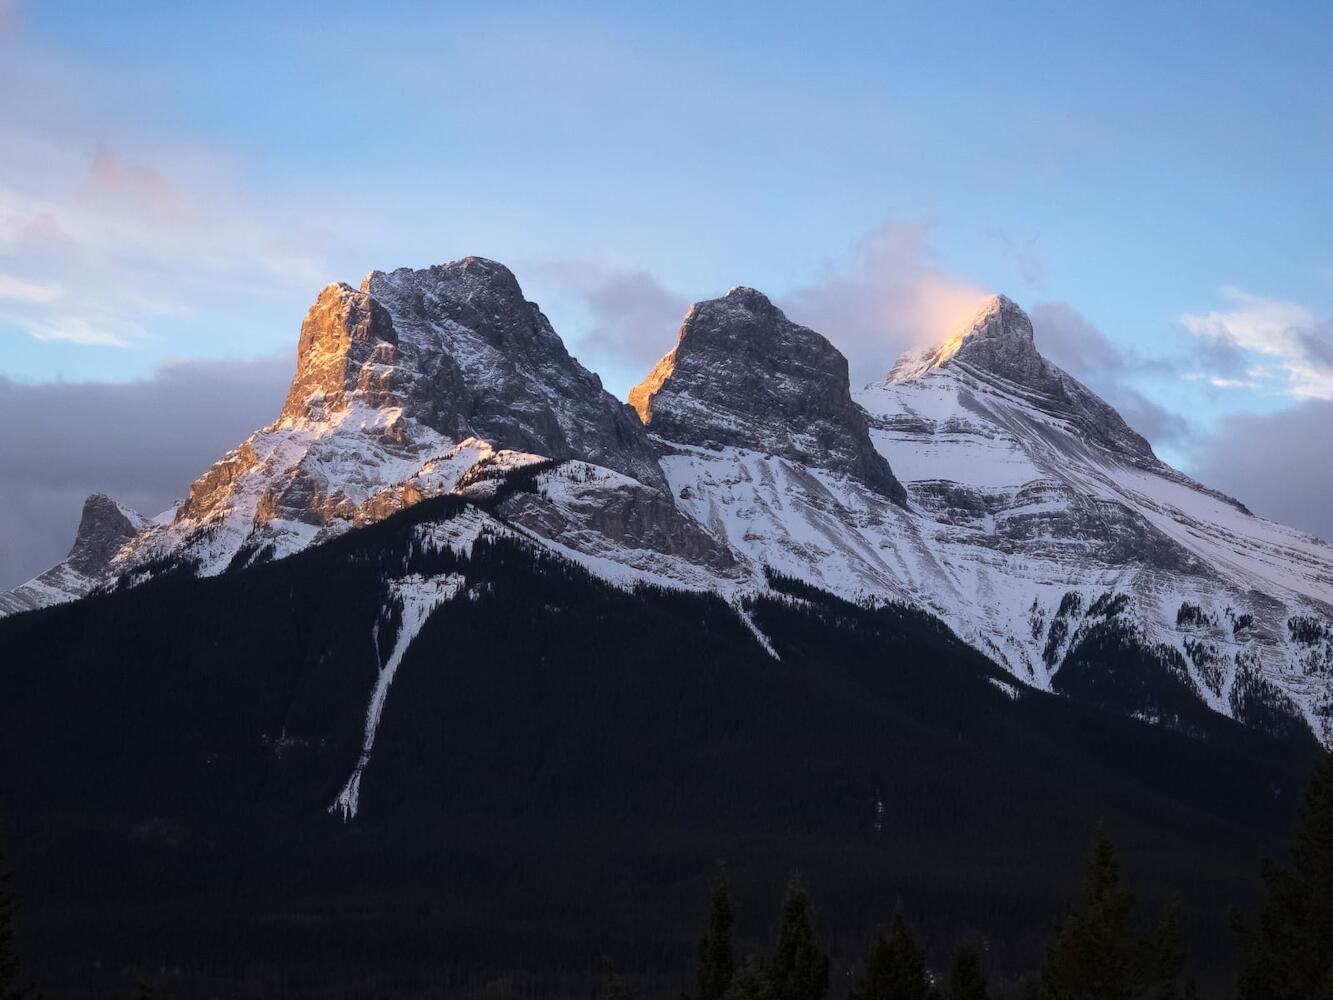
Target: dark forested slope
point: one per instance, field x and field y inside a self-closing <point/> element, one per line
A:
<point x="559" y="765"/>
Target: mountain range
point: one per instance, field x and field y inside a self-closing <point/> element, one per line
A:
<point x="977" y="482"/>
<point x="461" y="676"/>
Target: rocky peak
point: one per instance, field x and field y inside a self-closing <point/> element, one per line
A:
<point x="483" y="361"/>
<point x="743" y="375"/>
<point x="998" y="339"/>
<point x="104" y="526"/>
<point x="997" y="351"/>
<point x="347" y="344"/>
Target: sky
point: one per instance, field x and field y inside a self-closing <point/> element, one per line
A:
<point x="177" y="181"/>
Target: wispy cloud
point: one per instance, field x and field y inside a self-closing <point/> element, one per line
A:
<point x="20" y="290"/>
<point x="628" y="315"/>
<point x="108" y="223"/>
<point x="1298" y="343"/>
<point x="77" y="330"/>
<point x="887" y="296"/>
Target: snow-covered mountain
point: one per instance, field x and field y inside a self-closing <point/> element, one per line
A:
<point x="978" y="481"/>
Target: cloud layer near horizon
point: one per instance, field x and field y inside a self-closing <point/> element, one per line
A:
<point x="143" y="442"/>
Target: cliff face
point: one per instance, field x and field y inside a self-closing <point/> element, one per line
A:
<point x="742" y="375"/>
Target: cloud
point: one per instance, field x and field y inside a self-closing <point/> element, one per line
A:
<point x="109" y="223"/>
<point x="1279" y="464"/>
<point x="75" y="330"/>
<point x="143" y="442"/>
<point x="1254" y="327"/>
<point x="883" y="298"/>
<point x="1069" y="339"/>
<point x="628" y="315"/>
<point x="112" y="176"/>
<point x="886" y="297"/>
<point x="19" y="290"/>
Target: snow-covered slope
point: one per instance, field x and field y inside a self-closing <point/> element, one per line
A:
<point x="1035" y="514"/>
<point x="978" y="481"/>
<point x="1041" y="500"/>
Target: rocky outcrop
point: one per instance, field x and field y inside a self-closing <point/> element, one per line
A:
<point x="743" y="375"/>
<point x="104" y="528"/>
<point x="519" y="388"/>
<point x="997" y="349"/>
<point x="348" y="344"/>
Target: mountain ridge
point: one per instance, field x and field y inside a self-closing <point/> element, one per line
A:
<point x="978" y="481"/>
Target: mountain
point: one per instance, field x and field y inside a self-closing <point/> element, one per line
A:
<point x="462" y="649"/>
<point x="1049" y="511"/>
<point x="104" y="528"/>
<point x="433" y="757"/>
<point x="977" y="482"/>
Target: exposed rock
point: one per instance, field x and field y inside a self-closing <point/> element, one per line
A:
<point x="347" y="344"/>
<point x="998" y="349"/>
<point x="743" y="375"/>
<point x="521" y="388"/>
<point x="104" y="528"/>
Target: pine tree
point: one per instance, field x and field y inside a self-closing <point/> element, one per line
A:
<point x="717" y="962"/>
<point x="1290" y="953"/>
<point x="616" y="988"/>
<point x="966" y="981"/>
<point x="9" y="963"/>
<point x="751" y="982"/>
<point x="799" y="970"/>
<point x="1095" y="953"/>
<point x="895" y="969"/>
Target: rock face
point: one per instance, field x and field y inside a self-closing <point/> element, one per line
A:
<point x="998" y="348"/>
<point x="742" y="375"/>
<point x="104" y="528"/>
<point x="401" y="387"/>
<point x="522" y="389"/>
<point x="348" y="345"/>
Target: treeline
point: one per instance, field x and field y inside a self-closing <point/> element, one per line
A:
<point x="1097" y="950"/>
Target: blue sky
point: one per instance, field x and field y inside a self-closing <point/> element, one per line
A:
<point x="1152" y="181"/>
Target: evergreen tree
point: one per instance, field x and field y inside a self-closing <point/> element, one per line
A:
<point x="799" y="970"/>
<point x="895" y="969"/>
<point x="717" y="962"/>
<point x="9" y="962"/>
<point x="966" y="981"/>
<point x="751" y="982"/>
<point x="1290" y="953"/>
<point x="1095" y="953"/>
<point x="616" y="988"/>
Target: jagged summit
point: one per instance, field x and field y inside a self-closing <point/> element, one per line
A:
<point x="742" y="375"/>
<point x="104" y="526"/>
<point x="347" y="343"/>
<point x="998" y="338"/>
<point x="483" y="361"/>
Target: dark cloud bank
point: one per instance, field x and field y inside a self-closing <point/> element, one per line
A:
<point x="143" y="442"/>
